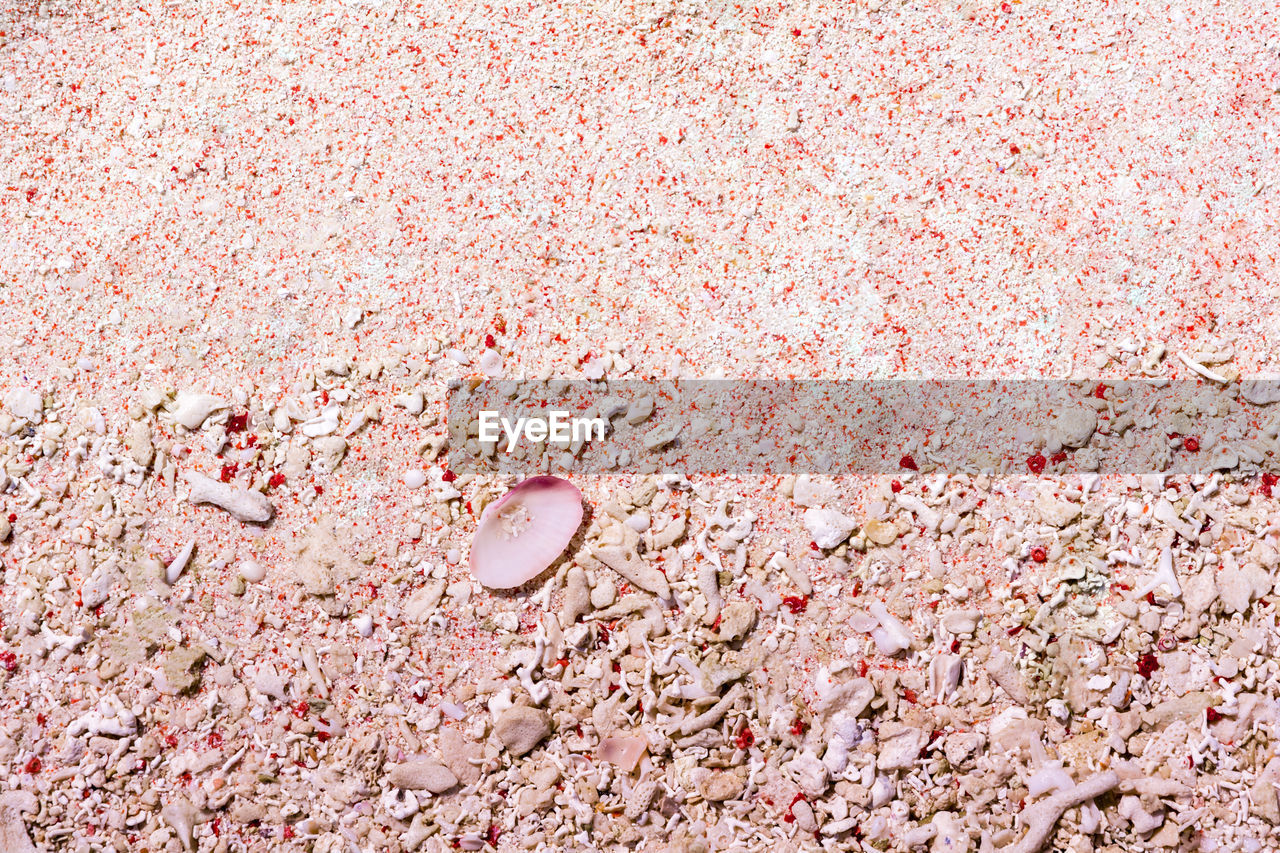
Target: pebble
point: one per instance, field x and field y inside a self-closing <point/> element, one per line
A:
<point x="415" y="478"/>
<point x="520" y="729"/>
<point x="828" y="527"/>
<point x="423" y="774"/>
<point x="723" y="785"/>
<point x="880" y="532"/>
<point x="25" y="404"/>
<point x="252" y="571"/>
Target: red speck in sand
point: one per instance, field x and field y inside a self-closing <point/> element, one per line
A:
<point x="1147" y="664"/>
<point x="908" y="463"/>
<point x="745" y="739"/>
<point x="33" y="765"/>
<point x="895" y="486"/>
<point x="1191" y="444"/>
<point x="796" y="603"/>
<point x="1036" y="463"/>
<point x="1039" y="554"/>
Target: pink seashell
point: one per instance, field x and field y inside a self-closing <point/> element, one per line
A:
<point x="525" y="531"/>
<point x="624" y="752"/>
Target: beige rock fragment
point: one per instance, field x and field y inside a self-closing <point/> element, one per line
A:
<point x="423" y="774"/>
<point x="880" y="532"/>
<point x="521" y="729"/>
<point x="628" y="563"/>
<point x="13" y="831"/>
<point x="722" y="785"/>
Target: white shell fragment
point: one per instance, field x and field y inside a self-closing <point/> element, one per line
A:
<point x="194" y="409"/>
<point x="243" y="504"/>
<point x="176" y="566"/>
<point x="24" y="403"/>
<point x="828" y="527"/>
<point x="324" y="423"/>
<point x="522" y="533"/>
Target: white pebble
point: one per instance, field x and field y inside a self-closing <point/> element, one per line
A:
<point x="252" y="571"/>
<point x="364" y="624"/>
<point x="415" y="478"/>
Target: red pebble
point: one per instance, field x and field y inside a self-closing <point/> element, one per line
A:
<point x="745" y="739"/>
<point x="1036" y="463"/>
<point x="237" y="423"/>
<point x="1147" y="664"/>
<point x="908" y="463"/>
<point x="895" y="486"/>
<point x="1039" y="554"/>
<point x="1191" y="444"/>
<point x="796" y="603"/>
<point x="33" y="764"/>
<point x="1212" y="715"/>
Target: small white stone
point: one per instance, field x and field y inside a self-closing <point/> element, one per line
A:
<point x="827" y="527"/>
<point x="26" y="404"/>
<point x="491" y="363"/>
<point x="252" y="571"/>
<point x="364" y="624"/>
<point x="415" y="478"/>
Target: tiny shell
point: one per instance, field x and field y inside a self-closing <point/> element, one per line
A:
<point x="525" y="531"/>
<point x="624" y="752"/>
